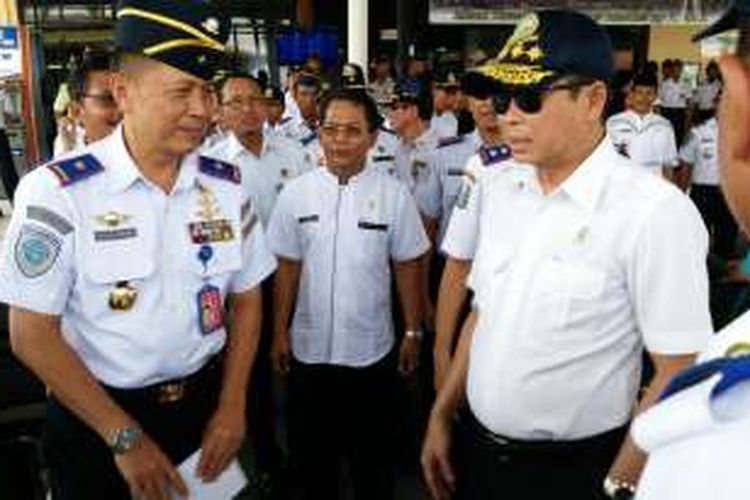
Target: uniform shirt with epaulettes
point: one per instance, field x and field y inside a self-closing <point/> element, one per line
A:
<point x="382" y="155"/>
<point x="138" y="276"/>
<point x="462" y="230"/>
<point x="706" y="93"/>
<point x="345" y="235"/>
<point x="700" y="151"/>
<point x="648" y="140"/>
<point x="263" y="177"/>
<point x="696" y="434"/>
<point x="449" y="171"/>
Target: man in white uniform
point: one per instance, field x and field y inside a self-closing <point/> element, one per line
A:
<point x="701" y="156"/>
<point x="337" y="231"/>
<point x="445" y="93"/>
<point x="575" y="273"/>
<point x="267" y="160"/>
<point x="117" y="265"/>
<point x="640" y="134"/>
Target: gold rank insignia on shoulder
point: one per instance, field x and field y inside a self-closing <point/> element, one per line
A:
<point x="123" y="297"/>
<point x="112" y="219"/>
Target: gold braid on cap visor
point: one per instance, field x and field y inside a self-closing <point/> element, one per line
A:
<point x="199" y="39"/>
<point x="515" y="74"/>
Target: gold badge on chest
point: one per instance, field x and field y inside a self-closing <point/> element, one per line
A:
<point x="122" y="297"/>
<point x="211" y="227"/>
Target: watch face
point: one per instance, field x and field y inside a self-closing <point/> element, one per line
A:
<point x="125" y="439"/>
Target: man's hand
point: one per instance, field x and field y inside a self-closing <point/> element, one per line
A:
<point x="280" y="353"/>
<point x="149" y="473"/>
<point x="436" y="465"/>
<point x="222" y="439"/>
<point x="408" y="359"/>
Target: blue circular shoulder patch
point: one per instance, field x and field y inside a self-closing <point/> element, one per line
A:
<point x="36" y="250"/>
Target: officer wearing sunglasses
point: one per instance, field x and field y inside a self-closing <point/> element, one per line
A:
<point x="575" y="272"/>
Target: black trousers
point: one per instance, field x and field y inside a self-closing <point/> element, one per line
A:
<point x="260" y="400"/>
<point x="341" y="414"/>
<point x="82" y="465"/>
<point x="676" y="117"/>
<point x="8" y="172"/>
<point x="717" y="217"/>
<point x="487" y="470"/>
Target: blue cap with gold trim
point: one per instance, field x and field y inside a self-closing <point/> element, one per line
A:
<point x="189" y="35"/>
<point x="551" y="43"/>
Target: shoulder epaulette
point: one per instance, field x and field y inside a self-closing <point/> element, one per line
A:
<point x="386" y="130"/>
<point x="285" y="120"/>
<point x="219" y="169"/>
<point x="307" y="140"/>
<point x="73" y="170"/>
<point x="449" y="141"/>
<point x="494" y="154"/>
<point x="379" y="158"/>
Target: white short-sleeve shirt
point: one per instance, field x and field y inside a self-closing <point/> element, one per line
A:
<point x="264" y="176"/>
<point x="570" y="286"/>
<point x="462" y="231"/>
<point x="345" y="236"/>
<point x="700" y="151"/>
<point x="673" y="94"/>
<point x="444" y="125"/>
<point x="412" y="163"/>
<point x="696" y="440"/>
<point x="88" y="227"/>
<point x="706" y="93"/>
<point x="648" y="140"/>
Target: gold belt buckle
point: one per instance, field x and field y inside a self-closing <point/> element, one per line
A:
<point x="171" y="392"/>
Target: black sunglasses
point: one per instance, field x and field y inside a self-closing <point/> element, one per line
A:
<point x="531" y="99"/>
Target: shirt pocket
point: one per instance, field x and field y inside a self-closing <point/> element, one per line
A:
<point x="116" y="265"/>
<point x="566" y="293"/>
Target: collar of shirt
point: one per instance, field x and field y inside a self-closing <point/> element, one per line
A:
<point x="422" y="140"/>
<point x="126" y="172"/>
<point x="363" y="175"/>
<point x="587" y="182"/>
<point x="235" y="149"/>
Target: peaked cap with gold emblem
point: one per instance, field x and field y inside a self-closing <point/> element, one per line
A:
<point x="549" y="44"/>
<point x="189" y="35"/>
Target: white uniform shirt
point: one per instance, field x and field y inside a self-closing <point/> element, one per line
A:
<point x="700" y="151"/>
<point x="291" y="108"/>
<point x="706" y="93"/>
<point x="697" y="441"/>
<point x="647" y="140"/>
<point x="60" y="256"/>
<point x="263" y="177"/>
<point x="297" y="129"/>
<point x="445" y="125"/>
<point x="412" y="161"/>
<point x="447" y="173"/>
<point x="462" y="232"/>
<point x="673" y="94"/>
<point x="345" y="236"/>
<point x="570" y="286"/>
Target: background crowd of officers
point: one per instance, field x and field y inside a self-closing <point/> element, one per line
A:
<point x="360" y="251"/>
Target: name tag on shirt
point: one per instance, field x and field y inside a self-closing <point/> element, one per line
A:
<point x="372" y="226"/>
<point x="308" y="218"/>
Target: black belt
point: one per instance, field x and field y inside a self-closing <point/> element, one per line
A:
<point x="175" y="390"/>
<point x="539" y="447"/>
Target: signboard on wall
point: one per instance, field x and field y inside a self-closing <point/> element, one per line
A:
<point x="10" y="52"/>
<point x="605" y="11"/>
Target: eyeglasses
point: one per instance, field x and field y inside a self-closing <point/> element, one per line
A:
<point x="347" y="132"/>
<point x="531" y="99"/>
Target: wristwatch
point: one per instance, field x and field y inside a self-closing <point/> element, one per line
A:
<point x="123" y="440"/>
<point x="618" y="490"/>
<point x="414" y="334"/>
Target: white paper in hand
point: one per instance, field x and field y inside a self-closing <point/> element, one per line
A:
<point x="225" y="487"/>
